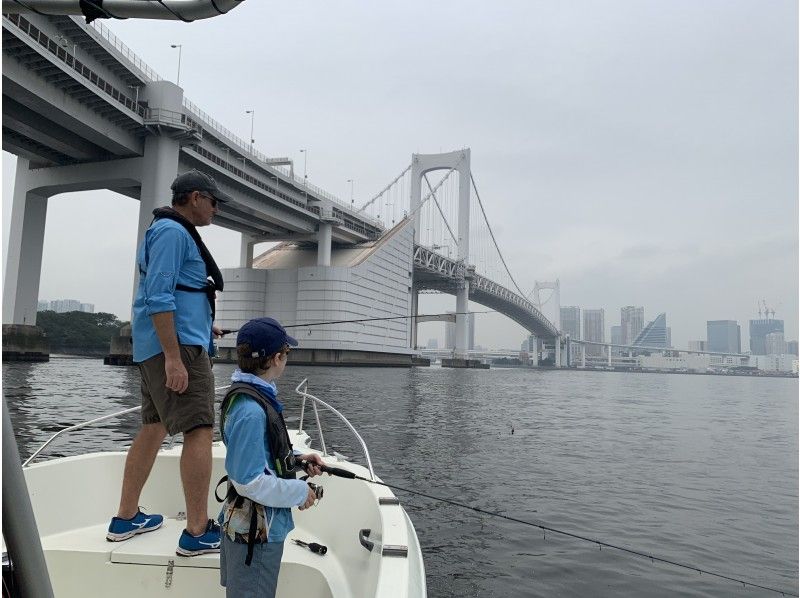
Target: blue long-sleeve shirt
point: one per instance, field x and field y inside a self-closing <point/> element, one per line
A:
<point x="169" y="256"/>
<point x="248" y="460"/>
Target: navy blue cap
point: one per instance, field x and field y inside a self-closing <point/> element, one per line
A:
<point x="194" y="180"/>
<point x="265" y="337"/>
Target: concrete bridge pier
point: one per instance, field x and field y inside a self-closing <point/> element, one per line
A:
<point x="324" y="236"/>
<point x="22" y="340"/>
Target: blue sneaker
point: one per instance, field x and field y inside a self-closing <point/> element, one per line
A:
<point x="122" y="529"/>
<point x="205" y="543"/>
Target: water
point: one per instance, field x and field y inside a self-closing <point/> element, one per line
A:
<point x="696" y="469"/>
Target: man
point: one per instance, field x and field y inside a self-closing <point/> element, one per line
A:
<point x="172" y="340"/>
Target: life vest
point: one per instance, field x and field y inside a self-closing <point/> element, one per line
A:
<point x="212" y="270"/>
<point x="283" y="464"/>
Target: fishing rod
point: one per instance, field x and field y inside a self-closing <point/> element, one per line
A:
<point x="449" y="313"/>
<point x="344" y="473"/>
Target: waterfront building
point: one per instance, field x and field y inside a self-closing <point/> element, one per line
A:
<point x="655" y="334"/>
<point x="616" y="339"/>
<point x="631" y="322"/>
<point x="594" y="329"/>
<point x="724" y="336"/>
<point x="698" y="346"/>
<point x="774" y="363"/>
<point x="774" y="344"/>
<point x="571" y="322"/>
<point x="791" y="348"/>
<point x="759" y="329"/>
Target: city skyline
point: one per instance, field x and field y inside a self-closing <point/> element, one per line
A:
<point x="644" y="154"/>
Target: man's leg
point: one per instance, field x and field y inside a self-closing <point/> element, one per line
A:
<point x="138" y="464"/>
<point x="196" y="477"/>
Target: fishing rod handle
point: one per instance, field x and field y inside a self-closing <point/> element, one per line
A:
<point x="337" y="471"/>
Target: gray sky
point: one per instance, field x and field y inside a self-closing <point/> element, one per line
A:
<point x="644" y="152"/>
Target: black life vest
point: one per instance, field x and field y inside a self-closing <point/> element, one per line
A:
<point x="212" y="270"/>
<point x="280" y="448"/>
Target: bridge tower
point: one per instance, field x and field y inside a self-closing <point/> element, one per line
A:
<point x="459" y="161"/>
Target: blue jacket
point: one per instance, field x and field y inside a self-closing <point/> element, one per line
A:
<point x="248" y="460"/>
<point x="169" y="256"/>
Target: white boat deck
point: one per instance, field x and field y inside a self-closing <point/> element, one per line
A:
<point x="81" y="562"/>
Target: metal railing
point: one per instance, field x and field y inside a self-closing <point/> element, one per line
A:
<point x="129" y="54"/>
<point x="304" y="393"/>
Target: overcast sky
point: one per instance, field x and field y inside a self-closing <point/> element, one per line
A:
<point x="643" y="152"/>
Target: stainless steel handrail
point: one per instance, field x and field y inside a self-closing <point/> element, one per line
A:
<point x="94" y="421"/>
<point x="315" y="400"/>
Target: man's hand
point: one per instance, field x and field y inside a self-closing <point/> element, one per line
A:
<point x="310" y="498"/>
<point x="218" y="332"/>
<point x="177" y="376"/>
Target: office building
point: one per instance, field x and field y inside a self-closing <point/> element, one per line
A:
<point x="616" y="339"/>
<point x="655" y="334"/>
<point x="87" y="307"/>
<point x="571" y="322"/>
<point x="774" y="344"/>
<point x="43" y="305"/>
<point x="724" y="336"/>
<point x="759" y="329"/>
<point x="594" y="329"/>
<point x="791" y="348"/>
<point x="631" y="321"/>
<point x="61" y="306"/>
<point x="698" y="346"/>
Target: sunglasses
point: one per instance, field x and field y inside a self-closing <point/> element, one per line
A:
<point x="213" y="200"/>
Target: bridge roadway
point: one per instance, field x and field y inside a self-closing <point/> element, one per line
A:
<point x="433" y="271"/>
<point x="82" y="112"/>
<point x="83" y="109"/>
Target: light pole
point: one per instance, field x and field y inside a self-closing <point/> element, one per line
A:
<point x="352" y="201"/>
<point x="180" y="50"/>
<point x="305" y="170"/>
<point x="252" y="114"/>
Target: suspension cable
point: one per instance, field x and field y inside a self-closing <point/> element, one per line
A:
<point x="436" y="201"/>
<point x="384" y="190"/>
<point x="489" y="226"/>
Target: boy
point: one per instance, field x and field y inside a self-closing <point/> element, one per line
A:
<point x="256" y="516"/>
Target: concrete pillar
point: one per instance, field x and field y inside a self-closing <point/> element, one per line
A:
<point x="557" y="346"/>
<point x="583" y="356"/>
<point x="324" y="244"/>
<point x="414" y="314"/>
<point x="462" y="306"/>
<point x="25" y="246"/>
<point x="609" y="354"/>
<point x="246" y="251"/>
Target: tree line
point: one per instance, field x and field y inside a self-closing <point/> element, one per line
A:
<point x="78" y="332"/>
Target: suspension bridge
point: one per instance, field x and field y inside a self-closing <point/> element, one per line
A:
<point x="82" y="111"/>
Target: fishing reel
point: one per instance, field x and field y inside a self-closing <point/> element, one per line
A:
<point x="317" y="489"/>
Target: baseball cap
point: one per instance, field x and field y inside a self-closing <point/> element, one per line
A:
<point x="194" y="180"/>
<point x="265" y="337"/>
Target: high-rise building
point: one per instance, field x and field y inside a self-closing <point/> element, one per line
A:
<point x="571" y="322"/>
<point x="594" y="329"/>
<point x="655" y="334"/>
<point x="631" y="321"/>
<point x="698" y="346"/>
<point x="774" y="344"/>
<point x="87" y="307"/>
<point x="43" y="305"/>
<point x="759" y="329"/>
<point x="724" y="336"/>
<point x="791" y="347"/>
<point x="61" y="306"/>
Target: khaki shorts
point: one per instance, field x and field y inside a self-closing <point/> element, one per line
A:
<point x="178" y="412"/>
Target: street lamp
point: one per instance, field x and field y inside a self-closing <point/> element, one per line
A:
<point x="252" y="114"/>
<point x="180" y="50"/>
<point x="352" y="201"/>
<point x="305" y="170"/>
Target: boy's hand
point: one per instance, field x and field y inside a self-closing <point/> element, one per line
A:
<point x="310" y="498"/>
<point x="313" y="465"/>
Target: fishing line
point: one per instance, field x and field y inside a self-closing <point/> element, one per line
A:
<point x="449" y="313"/>
<point x="343" y="473"/>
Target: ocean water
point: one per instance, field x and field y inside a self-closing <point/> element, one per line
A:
<point x="702" y="470"/>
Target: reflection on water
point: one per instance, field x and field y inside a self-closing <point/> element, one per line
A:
<point x="697" y="469"/>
